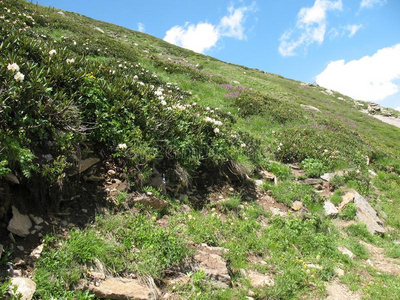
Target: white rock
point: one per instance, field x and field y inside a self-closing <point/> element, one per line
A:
<point x="26" y="287"/>
<point x="346" y="251"/>
<point x="372" y="173"/>
<point x="61" y="13"/>
<point x="121" y="288"/>
<point x="19" y="224"/>
<point x="99" y="29"/>
<point x="36" y="252"/>
<point x="297" y="205"/>
<point x="339" y="272"/>
<point x="327" y="176"/>
<point x="20" y="248"/>
<point x="258" y="182"/>
<point x="367" y="215"/>
<point x="330" y="209"/>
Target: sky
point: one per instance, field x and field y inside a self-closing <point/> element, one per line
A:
<point x="350" y="46"/>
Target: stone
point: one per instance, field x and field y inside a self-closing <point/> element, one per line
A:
<point x="374" y="108"/>
<point x="25" y="286"/>
<point x="258" y="182"/>
<point x="61" y="13"/>
<point x="36" y="252"/>
<point x="260" y="280"/>
<point x="339" y="272"/>
<point x="209" y="260"/>
<point x="19" y="224"/>
<point x="310" y="108"/>
<point x="372" y="173"/>
<point x="346" y="251"/>
<point x="297" y="205"/>
<point x="269" y="176"/>
<point x="36" y="220"/>
<point x="86" y="164"/>
<point x="11" y="178"/>
<point x="367" y="215"/>
<point x="120" y="288"/>
<point x="111" y="173"/>
<point x="20" y="248"/>
<point x="152" y="201"/>
<point x="347" y="198"/>
<point x="94" y="178"/>
<point x="327" y="176"/>
<point x="329" y="92"/>
<point x="38" y="228"/>
<point x="312" y="181"/>
<point x="99" y="29"/>
<point x="330" y="209"/>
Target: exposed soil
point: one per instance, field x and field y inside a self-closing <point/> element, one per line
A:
<point x="381" y="262"/>
<point x="338" y="291"/>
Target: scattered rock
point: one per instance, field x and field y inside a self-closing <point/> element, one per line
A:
<point x="269" y="176"/>
<point x="61" y="13"/>
<point x="330" y="209"/>
<point x="347" y="198"/>
<point x="329" y="92"/>
<point x="38" y="228"/>
<point x="309" y="108"/>
<point x="26" y="287"/>
<point x="374" y="108"/>
<point x="314" y="84"/>
<point x="258" y="183"/>
<point x="259" y="280"/>
<point x="19" y="224"/>
<point x="36" y="220"/>
<point x="36" y="252"/>
<point x="368" y="215"/>
<point x="276" y="211"/>
<point x="11" y="178"/>
<point x="327" y="176"/>
<point x="380" y="261"/>
<point x="297" y="205"/>
<point x="210" y="261"/>
<point x="346" y="251"/>
<point x="111" y="173"/>
<point x="152" y="201"/>
<point x="120" y="288"/>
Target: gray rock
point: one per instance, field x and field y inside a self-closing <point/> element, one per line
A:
<point x="25" y="287"/>
<point x="209" y="260"/>
<point x="311" y="181"/>
<point x="330" y="209"/>
<point x="310" y="108"/>
<point x="11" y="178"/>
<point x="346" y="251"/>
<point x="19" y="224"/>
<point x="86" y="164"/>
<point x="367" y="215"/>
<point x="374" y="108"/>
<point x="36" y="220"/>
<point x="327" y="176"/>
<point x="260" y="280"/>
<point x="120" y="288"/>
<point x="20" y="248"/>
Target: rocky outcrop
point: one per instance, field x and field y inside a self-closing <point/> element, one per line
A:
<point x="374" y="108"/>
<point x="367" y="215"/>
<point x="26" y="288"/>
<point x="86" y="164"/>
<point x="330" y="209"/>
<point x="309" y="108"/>
<point x="19" y="224"/>
<point x="121" y="289"/>
<point x="259" y="280"/>
<point x="209" y="260"/>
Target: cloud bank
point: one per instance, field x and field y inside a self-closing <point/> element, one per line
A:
<point x="310" y="27"/>
<point x="371" y="3"/>
<point x="371" y="78"/>
<point x="203" y="36"/>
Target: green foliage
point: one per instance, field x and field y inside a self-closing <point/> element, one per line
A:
<point x="232" y="203"/>
<point x="288" y="191"/>
<point x="336" y="199"/>
<point x="348" y="212"/>
<point x="280" y="170"/>
<point x="313" y="167"/>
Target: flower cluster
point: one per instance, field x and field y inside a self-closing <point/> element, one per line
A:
<point x="14" y="68"/>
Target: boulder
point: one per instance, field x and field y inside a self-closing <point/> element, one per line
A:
<point x="152" y="201"/>
<point x="86" y="164"/>
<point x="374" y="108"/>
<point x="209" y="260"/>
<point x="10" y="177"/>
<point x="25" y="288"/>
<point x="330" y="209"/>
<point x="36" y="220"/>
<point x="367" y="215"/>
<point x="61" y="13"/>
<point x="19" y="224"/>
<point x="120" y="288"/>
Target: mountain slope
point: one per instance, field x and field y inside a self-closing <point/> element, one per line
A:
<point x="197" y="134"/>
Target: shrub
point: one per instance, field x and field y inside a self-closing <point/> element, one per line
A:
<point x="349" y="212"/>
<point x="287" y="192"/>
<point x="313" y="167"/>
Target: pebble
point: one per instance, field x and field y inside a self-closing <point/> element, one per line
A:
<point x="38" y="228"/>
<point x="84" y="210"/>
<point x="21" y="248"/>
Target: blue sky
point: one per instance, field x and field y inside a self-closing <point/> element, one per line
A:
<point x="352" y="46"/>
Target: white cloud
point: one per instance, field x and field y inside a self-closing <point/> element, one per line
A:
<point x="203" y="36"/>
<point x="353" y="29"/>
<point x="310" y="27"/>
<point x="371" y="78"/>
<point x="397" y="108"/>
<point x="199" y="38"/>
<point x="371" y="3"/>
<point x="141" y="27"/>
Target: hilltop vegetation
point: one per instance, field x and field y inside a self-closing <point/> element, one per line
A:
<point x="196" y="134"/>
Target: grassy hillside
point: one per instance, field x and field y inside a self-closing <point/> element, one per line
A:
<point x="74" y="88"/>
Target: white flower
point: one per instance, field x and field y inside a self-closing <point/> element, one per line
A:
<point x="208" y="119"/>
<point x="52" y="52"/>
<point x="135" y="77"/>
<point x="216" y="130"/>
<point x="19" y="77"/>
<point x="218" y="123"/>
<point x="70" y="60"/>
<point x="140" y="83"/>
<point x="207" y="108"/>
<point x="13" y="67"/>
<point x="243" y="145"/>
<point x="163" y="102"/>
<point x="122" y="146"/>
